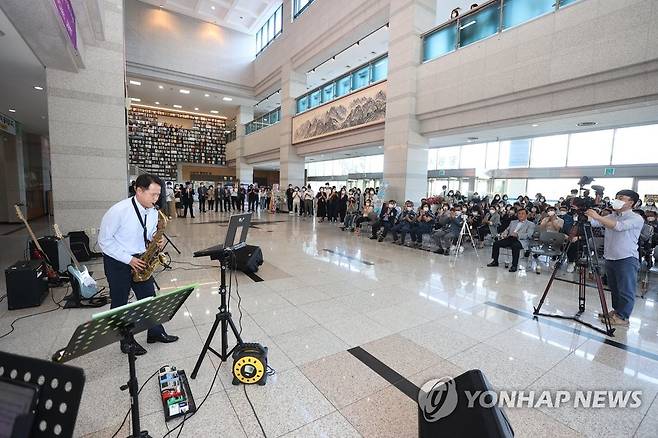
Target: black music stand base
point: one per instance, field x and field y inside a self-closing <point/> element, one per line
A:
<point x="224" y="318"/>
<point x="133" y="388"/>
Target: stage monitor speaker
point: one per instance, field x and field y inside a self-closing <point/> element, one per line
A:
<point x="248" y="259"/>
<point x="80" y="246"/>
<point x="465" y="421"/>
<point x="27" y="284"/>
<point x="56" y="251"/>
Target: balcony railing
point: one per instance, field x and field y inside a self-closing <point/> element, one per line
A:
<point x="263" y="121"/>
<point x="488" y="19"/>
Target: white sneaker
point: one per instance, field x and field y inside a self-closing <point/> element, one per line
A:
<point x="571" y="267"/>
<point x="452" y="247"/>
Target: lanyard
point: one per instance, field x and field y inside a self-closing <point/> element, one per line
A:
<point x="142" y="222"/>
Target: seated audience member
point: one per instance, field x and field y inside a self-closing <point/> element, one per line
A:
<point x="387" y="219"/>
<point x="552" y="222"/>
<point x="446" y="236"/>
<point x="406" y="221"/>
<point x="351" y="213"/>
<point x="490" y="224"/>
<point x="518" y="232"/>
<point x="367" y="215"/>
<point x="424" y="224"/>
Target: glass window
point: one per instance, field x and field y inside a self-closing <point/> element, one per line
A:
<point x="299" y="5"/>
<point x="567" y="2"/>
<point x="258" y="41"/>
<point x="549" y="151"/>
<point x="270" y="30"/>
<point x="516" y="12"/>
<point x="440" y="42"/>
<point x="360" y="78"/>
<point x="302" y="104"/>
<point x="343" y="85"/>
<point x="516" y="187"/>
<point x="590" y="148"/>
<point x="553" y="189"/>
<point x="479" y="25"/>
<point x="514" y="153"/>
<point x="278" y="21"/>
<point x="432" y="156"/>
<point x="315" y="99"/>
<point x="636" y="145"/>
<point x="473" y="156"/>
<point x="448" y="158"/>
<point x="379" y="70"/>
<point x="328" y="92"/>
<point x="613" y="185"/>
<point x="492" y="155"/>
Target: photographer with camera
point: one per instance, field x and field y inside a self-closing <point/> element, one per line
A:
<point x="622" y="232"/>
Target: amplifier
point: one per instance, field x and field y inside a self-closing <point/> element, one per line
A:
<point x="248" y="259"/>
<point x="56" y="251"/>
<point x="27" y="284"/>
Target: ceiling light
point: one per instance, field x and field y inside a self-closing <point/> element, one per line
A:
<point x="586" y="124"/>
<point x="181" y="91"/>
<point x="196" y="109"/>
<point x="134" y="99"/>
<point x="214" y="111"/>
<point x="161" y="86"/>
<point x="177" y="106"/>
<point x="534" y="125"/>
<point x="212" y="7"/>
<point x="206" y="95"/>
<point x="157" y="103"/>
<point x="227" y="99"/>
<point x="36" y="87"/>
<point x="379" y="147"/>
<point x="135" y="82"/>
<point x="11" y="110"/>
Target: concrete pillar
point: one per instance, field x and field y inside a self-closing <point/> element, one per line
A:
<point x="244" y="172"/>
<point x="87" y="125"/>
<point x="405" y="154"/>
<point x="293" y="84"/>
<point x="12" y="175"/>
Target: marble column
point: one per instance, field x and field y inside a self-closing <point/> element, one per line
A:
<point x="87" y="125"/>
<point x="293" y="84"/>
<point x="12" y="175"/>
<point x="405" y="149"/>
<point x="244" y="171"/>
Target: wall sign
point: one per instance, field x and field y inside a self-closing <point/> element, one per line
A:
<point x="8" y="125"/>
<point x="68" y="19"/>
<point x="356" y="110"/>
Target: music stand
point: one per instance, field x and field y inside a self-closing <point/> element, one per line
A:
<point x="122" y="323"/>
<point x="223" y="317"/>
<point x="59" y="390"/>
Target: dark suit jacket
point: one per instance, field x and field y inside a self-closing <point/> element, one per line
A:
<point x="187" y="196"/>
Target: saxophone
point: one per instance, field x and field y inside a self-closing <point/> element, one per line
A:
<point x="153" y="256"/>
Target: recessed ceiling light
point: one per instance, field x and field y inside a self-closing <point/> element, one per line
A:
<point x="36" y="87"/>
<point x="181" y="91"/>
<point x="379" y="147"/>
<point x="212" y="7"/>
<point x="135" y="82"/>
<point x="157" y="103"/>
<point x="196" y="109"/>
<point x="214" y="111"/>
<point x="587" y="124"/>
<point x="227" y="99"/>
<point x="11" y="110"/>
<point x="206" y="95"/>
<point x="534" y="125"/>
<point x="177" y="106"/>
<point x="161" y="86"/>
<point x="134" y="99"/>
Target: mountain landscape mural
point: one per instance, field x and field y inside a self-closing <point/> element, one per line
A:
<point x="362" y="108"/>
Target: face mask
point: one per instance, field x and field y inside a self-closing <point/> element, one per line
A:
<point x="551" y="213"/>
<point x="562" y="213"/>
<point x="492" y="211"/>
<point x="617" y="204"/>
<point x="459" y="213"/>
<point x="650" y="204"/>
<point x="561" y="199"/>
<point x="651" y="219"/>
<point x="504" y="198"/>
<point x="464" y="210"/>
<point x="426" y="209"/>
<point x="445" y="208"/>
<point x="409" y="208"/>
<point x="475" y="213"/>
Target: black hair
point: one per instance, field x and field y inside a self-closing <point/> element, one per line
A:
<point x="145" y="180"/>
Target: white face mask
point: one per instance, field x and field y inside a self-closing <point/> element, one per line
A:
<point x="551" y="213"/>
<point x="492" y="211"/>
<point x="459" y="213"/>
<point x="651" y="219"/>
<point x="391" y="205"/>
<point x="426" y="209"/>
<point x="409" y="208"/>
<point x="617" y="204"/>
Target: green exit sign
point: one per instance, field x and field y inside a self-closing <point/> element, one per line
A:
<point x="442" y="172"/>
<point x="609" y="171"/>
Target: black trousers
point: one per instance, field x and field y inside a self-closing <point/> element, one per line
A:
<point x="189" y="205"/>
<point x="234" y="202"/>
<point x="289" y="200"/>
<point x="508" y="242"/>
<point x="202" y="204"/>
<point x="119" y="277"/>
<point x="381" y="224"/>
<point x="219" y="204"/>
<point x="227" y="204"/>
<point x="211" y="204"/>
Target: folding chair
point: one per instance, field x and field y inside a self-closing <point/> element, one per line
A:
<point x="550" y="244"/>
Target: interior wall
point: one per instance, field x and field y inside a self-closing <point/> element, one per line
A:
<point x="159" y="38"/>
<point x="12" y="183"/>
<point x="186" y="171"/>
<point x="266" y="177"/>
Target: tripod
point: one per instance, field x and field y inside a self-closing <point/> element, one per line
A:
<point x="590" y="264"/>
<point x="466" y="230"/>
<point x="223" y="317"/>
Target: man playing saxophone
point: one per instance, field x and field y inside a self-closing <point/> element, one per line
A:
<point x="125" y="233"/>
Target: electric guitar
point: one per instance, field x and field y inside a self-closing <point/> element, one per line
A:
<point x="38" y="252"/>
<point x="79" y="273"/>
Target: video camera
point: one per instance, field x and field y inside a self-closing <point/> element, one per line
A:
<point x="583" y="203"/>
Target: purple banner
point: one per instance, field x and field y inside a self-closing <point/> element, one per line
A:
<point x="68" y="18"/>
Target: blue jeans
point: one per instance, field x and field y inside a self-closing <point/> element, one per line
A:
<point x="622" y="281"/>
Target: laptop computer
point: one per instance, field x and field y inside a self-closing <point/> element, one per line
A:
<point x="237" y="222"/>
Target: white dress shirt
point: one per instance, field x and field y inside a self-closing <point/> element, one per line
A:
<point x="621" y="242"/>
<point x="121" y="234"/>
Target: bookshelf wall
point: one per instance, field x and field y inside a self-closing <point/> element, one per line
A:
<point x="158" y="144"/>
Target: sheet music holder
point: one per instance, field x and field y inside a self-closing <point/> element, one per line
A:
<point x="113" y="325"/>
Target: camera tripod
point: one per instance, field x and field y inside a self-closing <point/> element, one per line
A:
<point x="590" y="264"/>
<point x="465" y="231"/>
<point x="223" y="317"/>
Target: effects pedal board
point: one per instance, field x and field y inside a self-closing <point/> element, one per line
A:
<point x="175" y="393"/>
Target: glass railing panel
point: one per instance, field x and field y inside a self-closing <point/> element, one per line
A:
<point x="343" y="85"/>
<point x="379" y="70"/>
<point x="328" y="92"/>
<point x="315" y="99"/>
<point x="360" y="78"/>
<point x="440" y="42"/>
<point x="479" y="25"/>
<point x="516" y="12"/>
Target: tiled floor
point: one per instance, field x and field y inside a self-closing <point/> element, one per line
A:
<point x="326" y="291"/>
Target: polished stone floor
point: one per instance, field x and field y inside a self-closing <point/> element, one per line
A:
<point x="326" y="291"/>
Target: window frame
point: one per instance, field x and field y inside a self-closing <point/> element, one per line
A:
<point x="265" y="41"/>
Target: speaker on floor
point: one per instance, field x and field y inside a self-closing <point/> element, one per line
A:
<point x="56" y="251"/>
<point x="27" y="284"/>
<point x="248" y="259"/>
<point x="444" y="410"/>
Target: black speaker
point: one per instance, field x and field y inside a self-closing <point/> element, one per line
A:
<point x="248" y="258"/>
<point x="80" y="246"/>
<point x="27" y="284"/>
<point x="455" y="417"/>
<point x="55" y="250"/>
